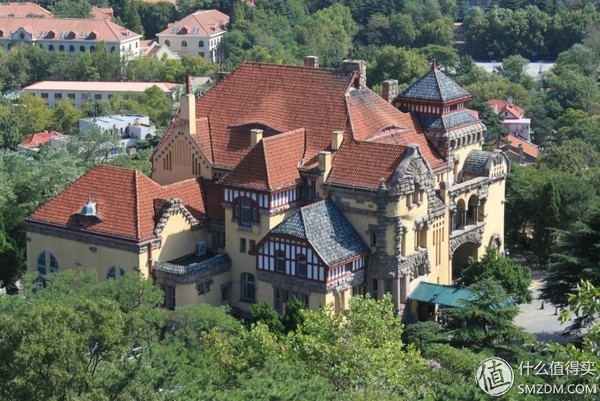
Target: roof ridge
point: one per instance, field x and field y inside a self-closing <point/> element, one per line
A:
<point x="136" y="204"/>
<point x="264" y="150"/>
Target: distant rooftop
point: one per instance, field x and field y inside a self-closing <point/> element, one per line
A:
<point x="98" y="86"/>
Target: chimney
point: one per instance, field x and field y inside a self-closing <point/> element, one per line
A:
<point x="337" y="137"/>
<point x="221" y="75"/>
<point x="325" y="163"/>
<point x="255" y="137"/>
<point x="311" y="61"/>
<point x="357" y="65"/>
<point x="521" y="154"/>
<point x="389" y="90"/>
<point x="187" y="106"/>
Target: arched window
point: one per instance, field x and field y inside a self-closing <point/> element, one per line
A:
<point x="112" y="49"/>
<point x="112" y="272"/>
<point x="82" y="49"/>
<point x="61" y="48"/>
<point x="168" y="42"/>
<point x="280" y="256"/>
<point x="71" y="49"/>
<point x="201" y="43"/>
<point x="301" y="267"/>
<point x="248" y="290"/>
<point x="184" y="43"/>
<point x="51" y="48"/>
<point x="92" y="49"/>
<point x="9" y="46"/>
<point x="46" y="262"/>
<point x="41" y="46"/>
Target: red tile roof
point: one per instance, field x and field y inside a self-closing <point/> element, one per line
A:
<point x="23" y="9"/>
<point x="126" y="202"/>
<point x="528" y="147"/>
<point x="282" y="97"/>
<point x="208" y="23"/>
<point x="272" y="164"/>
<point x="500" y="106"/>
<point x="214" y="198"/>
<point x="83" y="28"/>
<point x="364" y="164"/>
<point x="40" y="138"/>
<point x="373" y="119"/>
<point x="101" y="13"/>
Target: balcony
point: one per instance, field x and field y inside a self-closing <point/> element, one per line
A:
<point x="193" y="268"/>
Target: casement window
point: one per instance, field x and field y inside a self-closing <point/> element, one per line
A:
<point x="248" y="290"/>
<point x="301" y="267"/>
<point x="169" y="291"/>
<point x="245" y="211"/>
<point x="46" y="262"/>
<point x="115" y="272"/>
<point x="280" y="266"/>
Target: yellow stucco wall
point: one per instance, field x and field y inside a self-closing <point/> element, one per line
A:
<point x="182" y="150"/>
<point x="494" y="215"/>
<point x="178" y="239"/>
<point x="243" y="262"/>
<point x="73" y="254"/>
<point x="187" y="294"/>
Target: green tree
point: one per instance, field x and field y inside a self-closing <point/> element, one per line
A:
<point x="513" y="68"/>
<point x="423" y="334"/>
<point x="10" y="132"/>
<point x="72" y="9"/>
<point x="266" y="314"/>
<point x="487" y="321"/>
<point x="158" y="106"/>
<point x="328" y="33"/>
<point x="155" y="17"/>
<point x="574" y="258"/>
<point x="66" y="117"/>
<point x="34" y="115"/>
<point x="512" y="277"/>
<point x="395" y="63"/>
<point x="545" y="220"/>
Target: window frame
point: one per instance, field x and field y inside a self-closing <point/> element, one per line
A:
<point x="248" y="287"/>
<point x="280" y="262"/>
<point x="299" y="263"/>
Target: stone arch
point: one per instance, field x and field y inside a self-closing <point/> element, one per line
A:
<point x="461" y="256"/>
<point x="495" y="242"/>
<point x="460" y="215"/>
<point x="472" y="211"/>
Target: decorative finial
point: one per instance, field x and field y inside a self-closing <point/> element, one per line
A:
<point x="434" y="66"/>
<point x="188" y="85"/>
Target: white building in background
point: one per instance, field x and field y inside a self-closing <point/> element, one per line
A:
<point x="198" y="34"/>
<point x="131" y="127"/>
<point x="82" y="91"/>
<point x="69" y="35"/>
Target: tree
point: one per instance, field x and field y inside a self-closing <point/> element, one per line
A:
<point x="513" y="68"/>
<point x="268" y="315"/>
<point x="395" y="63"/>
<point x="353" y="350"/>
<point x="545" y="220"/>
<point x="578" y="57"/>
<point x="447" y="57"/>
<point x="487" y="321"/>
<point x="423" y="334"/>
<point x="575" y="257"/>
<point x="511" y="276"/>
<point x="66" y="117"/>
<point x="72" y="9"/>
<point x="10" y="132"/>
<point x="93" y="147"/>
<point x="157" y="105"/>
<point x="328" y="34"/>
<point x="402" y="31"/>
<point x="34" y="115"/>
<point x="156" y="16"/>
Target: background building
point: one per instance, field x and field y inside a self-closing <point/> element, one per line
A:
<point x="130" y="127"/>
<point x="90" y="91"/>
<point x="197" y="34"/>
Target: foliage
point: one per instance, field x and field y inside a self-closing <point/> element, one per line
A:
<point x="487" y="321"/>
<point x="574" y="258"/>
<point x="66" y="117"/>
<point x="72" y="9"/>
<point x="396" y="63"/>
<point x="423" y="334"/>
<point x="267" y="315"/>
<point x="511" y="276"/>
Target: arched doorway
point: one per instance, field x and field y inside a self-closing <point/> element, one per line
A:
<point x="472" y="212"/>
<point x="461" y="256"/>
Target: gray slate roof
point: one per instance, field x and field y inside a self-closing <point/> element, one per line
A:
<point x="475" y="162"/>
<point x="434" y="86"/>
<point x="447" y="122"/>
<point x="327" y="231"/>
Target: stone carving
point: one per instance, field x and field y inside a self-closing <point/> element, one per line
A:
<point x="473" y="233"/>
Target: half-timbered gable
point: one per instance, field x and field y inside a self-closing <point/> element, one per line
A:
<point x="314" y="250"/>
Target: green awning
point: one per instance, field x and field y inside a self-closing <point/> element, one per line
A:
<point x="441" y="294"/>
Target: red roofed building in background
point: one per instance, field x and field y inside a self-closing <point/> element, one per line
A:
<point x="37" y="140"/>
<point x="514" y="117"/>
<point x="198" y="34"/>
<point x="292" y="181"/>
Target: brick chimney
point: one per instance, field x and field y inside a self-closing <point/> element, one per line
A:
<point x="311" y="61"/>
<point x="389" y="90"/>
<point x="337" y="137"/>
<point x="187" y="107"/>
<point x="357" y="65"/>
<point x="255" y="137"/>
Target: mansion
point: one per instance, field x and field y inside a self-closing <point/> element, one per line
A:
<point x="291" y="181"/>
